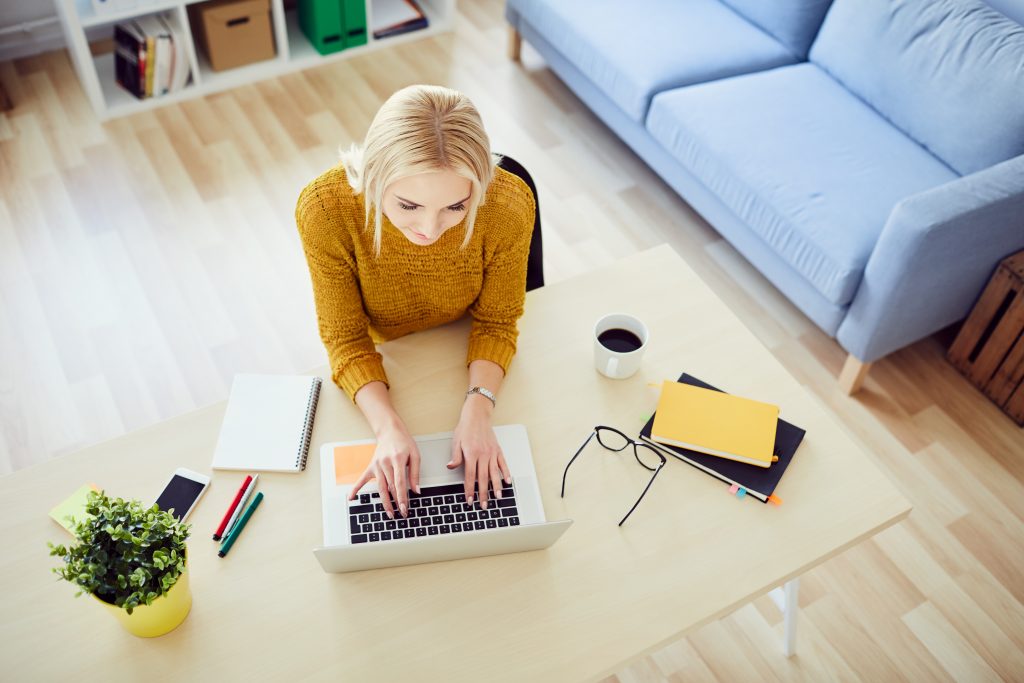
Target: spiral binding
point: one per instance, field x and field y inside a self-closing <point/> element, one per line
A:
<point x="307" y="434"/>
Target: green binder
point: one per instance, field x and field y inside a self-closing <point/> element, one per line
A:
<point x="322" y="22"/>
<point x="354" y="22"/>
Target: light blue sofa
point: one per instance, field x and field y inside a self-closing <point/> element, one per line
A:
<point x="867" y="156"/>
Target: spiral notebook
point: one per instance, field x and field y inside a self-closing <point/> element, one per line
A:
<point x="268" y="423"/>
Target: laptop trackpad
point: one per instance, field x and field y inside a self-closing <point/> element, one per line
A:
<point x="435" y="453"/>
<point x="434" y="457"/>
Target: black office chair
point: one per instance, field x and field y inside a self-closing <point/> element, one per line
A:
<point x="535" y="263"/>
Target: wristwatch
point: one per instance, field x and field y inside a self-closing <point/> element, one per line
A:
<point x="486" y="393"/>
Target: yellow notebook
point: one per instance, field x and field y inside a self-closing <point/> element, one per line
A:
<point x="716" y="423"/>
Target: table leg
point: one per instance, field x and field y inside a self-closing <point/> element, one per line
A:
<point x="785" y="597"/>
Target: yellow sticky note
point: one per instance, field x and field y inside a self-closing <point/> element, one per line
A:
<point x="73" y="506"/>
<point x="351" y="461"/>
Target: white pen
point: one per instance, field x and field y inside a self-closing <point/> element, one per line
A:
<point x="241" y="505"/>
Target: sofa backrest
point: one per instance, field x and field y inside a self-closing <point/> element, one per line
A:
<point x="794" y="23"/>
<point x="948" y="73"/>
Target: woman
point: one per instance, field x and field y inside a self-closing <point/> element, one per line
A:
<point x="413" y="230"/>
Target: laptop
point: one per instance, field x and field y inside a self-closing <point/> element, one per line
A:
<point x="440" y="526"/>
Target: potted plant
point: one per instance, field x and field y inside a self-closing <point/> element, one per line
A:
<point x="132" y="560"/>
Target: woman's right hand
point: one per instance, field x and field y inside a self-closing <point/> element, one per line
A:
<point x="396" y="466"/>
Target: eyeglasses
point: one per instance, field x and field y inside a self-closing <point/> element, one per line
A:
<point x="616" y="441"/>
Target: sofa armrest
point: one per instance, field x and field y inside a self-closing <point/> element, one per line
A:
<point x="935" y="254"/>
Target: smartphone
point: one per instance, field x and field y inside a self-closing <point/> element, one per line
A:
<point x="182" y="492"/>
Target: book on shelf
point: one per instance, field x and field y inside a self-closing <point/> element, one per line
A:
<point x="759" y="482"/>
<point x="394" y="17"/>
<point x="156" y="40"/>
<point x="130" y="58"/>
<point x="179" y="67"/>
<point x="151" y="55"/>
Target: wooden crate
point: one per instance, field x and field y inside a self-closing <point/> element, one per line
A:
<point x="989" y="349"/>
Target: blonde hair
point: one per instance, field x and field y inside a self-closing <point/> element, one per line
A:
<point x="420" y="129"/>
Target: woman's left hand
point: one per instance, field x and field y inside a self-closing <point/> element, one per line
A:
<point x="476" y="446"/>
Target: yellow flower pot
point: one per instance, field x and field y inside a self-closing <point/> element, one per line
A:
<point x="163" y="616"/>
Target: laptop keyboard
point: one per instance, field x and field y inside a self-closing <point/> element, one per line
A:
<point x="437" y="510"/>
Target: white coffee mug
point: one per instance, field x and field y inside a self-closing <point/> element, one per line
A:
<point x="621" y="357"/>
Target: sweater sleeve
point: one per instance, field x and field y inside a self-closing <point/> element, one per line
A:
<point x="499" y="306"/>
<point x="343" y="323"/>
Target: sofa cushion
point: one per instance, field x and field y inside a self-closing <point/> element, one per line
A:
<point x="809" y="167"/>
<point x="631" y="54"/>
<point x="794" y="23"/>
<point x="949" y="73"/>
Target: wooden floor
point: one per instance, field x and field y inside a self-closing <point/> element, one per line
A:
<point x="146" y="260"/>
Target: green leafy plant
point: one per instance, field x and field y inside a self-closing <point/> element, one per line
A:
<point x="127" y="555"/>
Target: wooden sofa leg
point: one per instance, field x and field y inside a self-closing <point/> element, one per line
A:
<point x="852" y="376"/>
<point x="515" y="43"/>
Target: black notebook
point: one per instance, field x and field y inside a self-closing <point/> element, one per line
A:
<point x="759" y="482"/>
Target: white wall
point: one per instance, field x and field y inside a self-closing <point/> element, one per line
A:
<point x="41" y="39"/>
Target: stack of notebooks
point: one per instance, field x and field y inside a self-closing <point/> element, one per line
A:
<point x="151" y="55"/>
<point x="738" y="440"/>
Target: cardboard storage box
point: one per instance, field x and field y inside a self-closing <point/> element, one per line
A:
<point x="233" y="33"/>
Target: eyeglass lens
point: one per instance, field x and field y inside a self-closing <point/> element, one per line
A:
<point x="614" y="440"/>
<point x="611" y="439"/>
<point x="647" y="456"/>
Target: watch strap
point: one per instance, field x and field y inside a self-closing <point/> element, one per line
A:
<point x="483" y="391"/>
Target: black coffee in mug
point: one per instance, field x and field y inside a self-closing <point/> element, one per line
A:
<point x="619" y="340"/>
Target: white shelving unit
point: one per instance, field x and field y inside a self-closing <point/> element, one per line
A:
<point x="294" y="51"/>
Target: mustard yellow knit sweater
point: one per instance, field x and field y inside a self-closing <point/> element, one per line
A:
<point x="362" y="298"/>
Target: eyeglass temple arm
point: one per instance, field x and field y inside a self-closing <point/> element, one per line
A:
<point x="573" y="459"/>
<point x="644" y="493"/>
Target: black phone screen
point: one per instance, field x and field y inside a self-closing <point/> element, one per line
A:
<point x="180" y="494"/>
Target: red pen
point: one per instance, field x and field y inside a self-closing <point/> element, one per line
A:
<point x="227" y="515"/>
